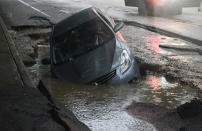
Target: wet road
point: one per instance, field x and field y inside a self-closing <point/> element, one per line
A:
<point x="103" y="107"/>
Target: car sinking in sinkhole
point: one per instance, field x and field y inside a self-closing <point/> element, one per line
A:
<point x="87" y="48"/>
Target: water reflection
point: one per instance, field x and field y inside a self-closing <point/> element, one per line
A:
<point x="159" y="91"/>
<point x="154" y="41"/>
<point x="157" y="83"/>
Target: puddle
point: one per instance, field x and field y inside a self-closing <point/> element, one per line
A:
<point x="99" y="107"/>
<point x="154" y="43"/>
<point x="157" y="90"/>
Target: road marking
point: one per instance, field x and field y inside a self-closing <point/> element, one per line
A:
<point x="33" y="8"/>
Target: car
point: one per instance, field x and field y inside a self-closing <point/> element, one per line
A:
<point x="156" y="7"/>
<point x="161" y="7"/>
<point x="87" y="48"/>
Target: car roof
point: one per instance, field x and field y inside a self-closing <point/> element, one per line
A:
<point x="74" y="20"/>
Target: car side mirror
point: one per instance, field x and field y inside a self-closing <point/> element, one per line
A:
<point x="118" y="26"/>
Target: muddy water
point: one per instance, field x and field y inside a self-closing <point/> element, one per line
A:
<point x="103" y="107"/>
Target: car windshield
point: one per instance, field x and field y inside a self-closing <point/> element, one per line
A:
<point x="80" y="40"/>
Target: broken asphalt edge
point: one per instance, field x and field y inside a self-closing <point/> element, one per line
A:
<point x="161" y="31"/>
<point x="22" y="72"/>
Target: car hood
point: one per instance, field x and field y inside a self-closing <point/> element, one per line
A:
<point x="89" y="66"/>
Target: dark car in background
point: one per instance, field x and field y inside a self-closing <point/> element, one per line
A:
<point x="161" y="7"/>
<point x="87" y="48"/>
<point x="156" y="7"/>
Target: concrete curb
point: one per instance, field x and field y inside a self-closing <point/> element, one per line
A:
<point x="161" y="31"/>
<point x="26" y="80"/>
